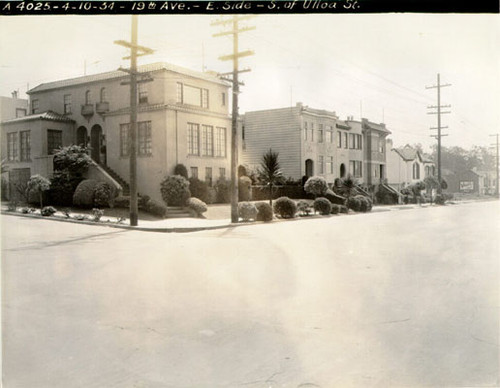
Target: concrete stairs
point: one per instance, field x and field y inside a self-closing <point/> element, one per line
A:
<point x="178" y="212"/>
<point x="118" y="178"/>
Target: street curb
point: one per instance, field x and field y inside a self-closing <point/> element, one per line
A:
<point x="127" y="227"/>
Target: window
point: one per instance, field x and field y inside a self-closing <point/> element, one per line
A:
<point x="124" y="140"/>
<point x="142" y="93"/>
<point x="67" y="103"/>
<point x="320" y="134"/>
<point x="208" y="176"/>
<point x="312" y="131"/>
<point x="355" y="168"/>
<point x="192" y="95"/>
<point x="345" y="140"/>
<point x="25" y="146"/>
<point x="359" y="142"/>
<point x="352" y="141"/>
<point x="381" y="146"/>
<point x="88" y="97"/>
<point x="204" y="98"/>
<point x="321" y="164"/>
<point x="222" y="172"/>
<point x="179" y="93"/>
<point x="144" y="138"/>
<point x="35" y="106"/>
<point x="20" y="112"/>
<point x="12" y="146"/>
<point x="194" y="172"/>
<point x="54" y="140"/>
<point x="329" y="165"/>
<point x="339" y="139"/>
<point x="104" y="95"/>
<point x="329" y="135"/>
<point x="207" y="140"/>
<point x="305" y="130"/>
<point x="416" y="171"/>
<point x="220" y="142"/>
<point x="223" y="99"/>
<point x="193" y="139"/>
<point x="375" y="171"/>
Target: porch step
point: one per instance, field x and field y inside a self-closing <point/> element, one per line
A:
<point x="178" y="212"/>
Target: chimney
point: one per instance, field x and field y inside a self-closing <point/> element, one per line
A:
<point x="14" y="94"/>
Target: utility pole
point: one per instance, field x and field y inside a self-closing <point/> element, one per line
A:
<point x="235" y="31"/>
<point x="135" y="51"/>
<point x="497" y="166"/>
<point x="439" y="112"/>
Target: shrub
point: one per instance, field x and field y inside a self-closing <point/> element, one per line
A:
<point x="264" y="211"/>
<point x="365" y="204"/>
<point x="303" y="207"/>
<point x="104" y="195"/>
<point x="97" y="214"/>
<point x="181" y="170"/>
<point x="197" y="206"/>
<point x="122" y="202"/>
<point x="343" y="209"/>
<point x="48" y="211"/>
<point x="155" y="208"/>
<point x="244" y="184"/>
<point x="223" y="189"/>
<point x="285" y="207"/>
<point x="175" y="190"/>
<point x="242" y="171"/>
<point x="27" y="210"/>
<point x="198" y="189"/>
<point x="62" y="188"/>
<point x="335" y="209"/>
<point x="12" y="206"/>
<point x="354" y="204"/>
<point x="211" y="195"/>
<point x="322" y="205"/>
<point x="386" y="198"/>
<point x="316" y="186"/>
<point x="74" y="159"/>
<point x="247" y="211"/>
<point x="84" y="193"/>
<point x="142" y="200"/>
<point x="37" y="184"/>
<point x="5" y="189"/>
<point x="334" y="198"/>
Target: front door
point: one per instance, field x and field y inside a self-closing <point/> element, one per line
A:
<point x="95" y="143"/>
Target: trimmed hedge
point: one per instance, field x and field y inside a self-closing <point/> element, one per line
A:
<point x="244" y="189"/>
<point x="155" y="208"/>
<point x="85" y="193"/>
<point x="335" y="209"/>
<point x="334" y="198"/>
<point x="285" y="207"/>
<point x="198" y="189"/>
<point x="304" y="207"/>
<point x="247" y="211"/>
<point x="175" y="190"/>
<point x="264" y="211"/>
<point x="322" y="206"/>
<point x="197" y="206"/>
<point x="104" y="195"/>
<point x="223" y="189"/>
<point x="316" y="186"/>
<point x="181" y="170"/>
<point x="359" y="203"/>
<point x="48" y="211"/>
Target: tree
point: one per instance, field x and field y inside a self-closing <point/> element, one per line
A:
<point x="39" y="184"/>
<point x="270" y="171"/>
<point x="316" y="186"/>
<point x="431" y="182"/>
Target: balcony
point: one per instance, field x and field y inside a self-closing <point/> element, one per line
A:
<point x="87" y="110"/>
<point x="102" y="107"/>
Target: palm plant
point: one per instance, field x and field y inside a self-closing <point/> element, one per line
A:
<point x="270" y="171"/>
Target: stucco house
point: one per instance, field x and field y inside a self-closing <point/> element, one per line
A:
<point x="407" y="165"/>
<point x="313" y="142"/>
<point x="183" y="117"/>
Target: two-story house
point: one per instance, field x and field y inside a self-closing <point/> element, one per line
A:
<point x="315" y="142"/>
<point x="182" y="118"/>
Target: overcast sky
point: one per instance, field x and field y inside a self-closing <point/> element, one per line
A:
<point x="376" y="66"/>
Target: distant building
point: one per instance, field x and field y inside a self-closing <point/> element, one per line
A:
<point x="315" y="142"/>
<point x="407" y="165"/>
<point x="182" y="118"/>
<point x="471" y="182"/>
<point x="12" y="107"/>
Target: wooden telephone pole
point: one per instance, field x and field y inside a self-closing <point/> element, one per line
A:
<point x="439" y="135"/>
<point x="135" y="51"/>
<point x="236" y="90"/>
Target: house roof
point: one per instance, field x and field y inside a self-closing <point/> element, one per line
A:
<point x="49" y="115"/>
<point x="378" y="127"/>
<point x="152" y="67"/>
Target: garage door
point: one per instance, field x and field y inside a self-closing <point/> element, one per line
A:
<point x="18" y="179"/>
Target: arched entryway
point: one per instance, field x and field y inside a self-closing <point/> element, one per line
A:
<point x="309" y="168"/>
<point x="81" y="136"/>
<point x="342" y="170"/>
<point x="96" y="144"/>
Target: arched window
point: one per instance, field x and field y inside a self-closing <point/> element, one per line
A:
<point x="88" y="97"/>
<point x="416" y="171"/>
<point x="104" y="97"/>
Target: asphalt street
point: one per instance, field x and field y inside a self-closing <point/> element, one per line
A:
<point x="388" y="299"/>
